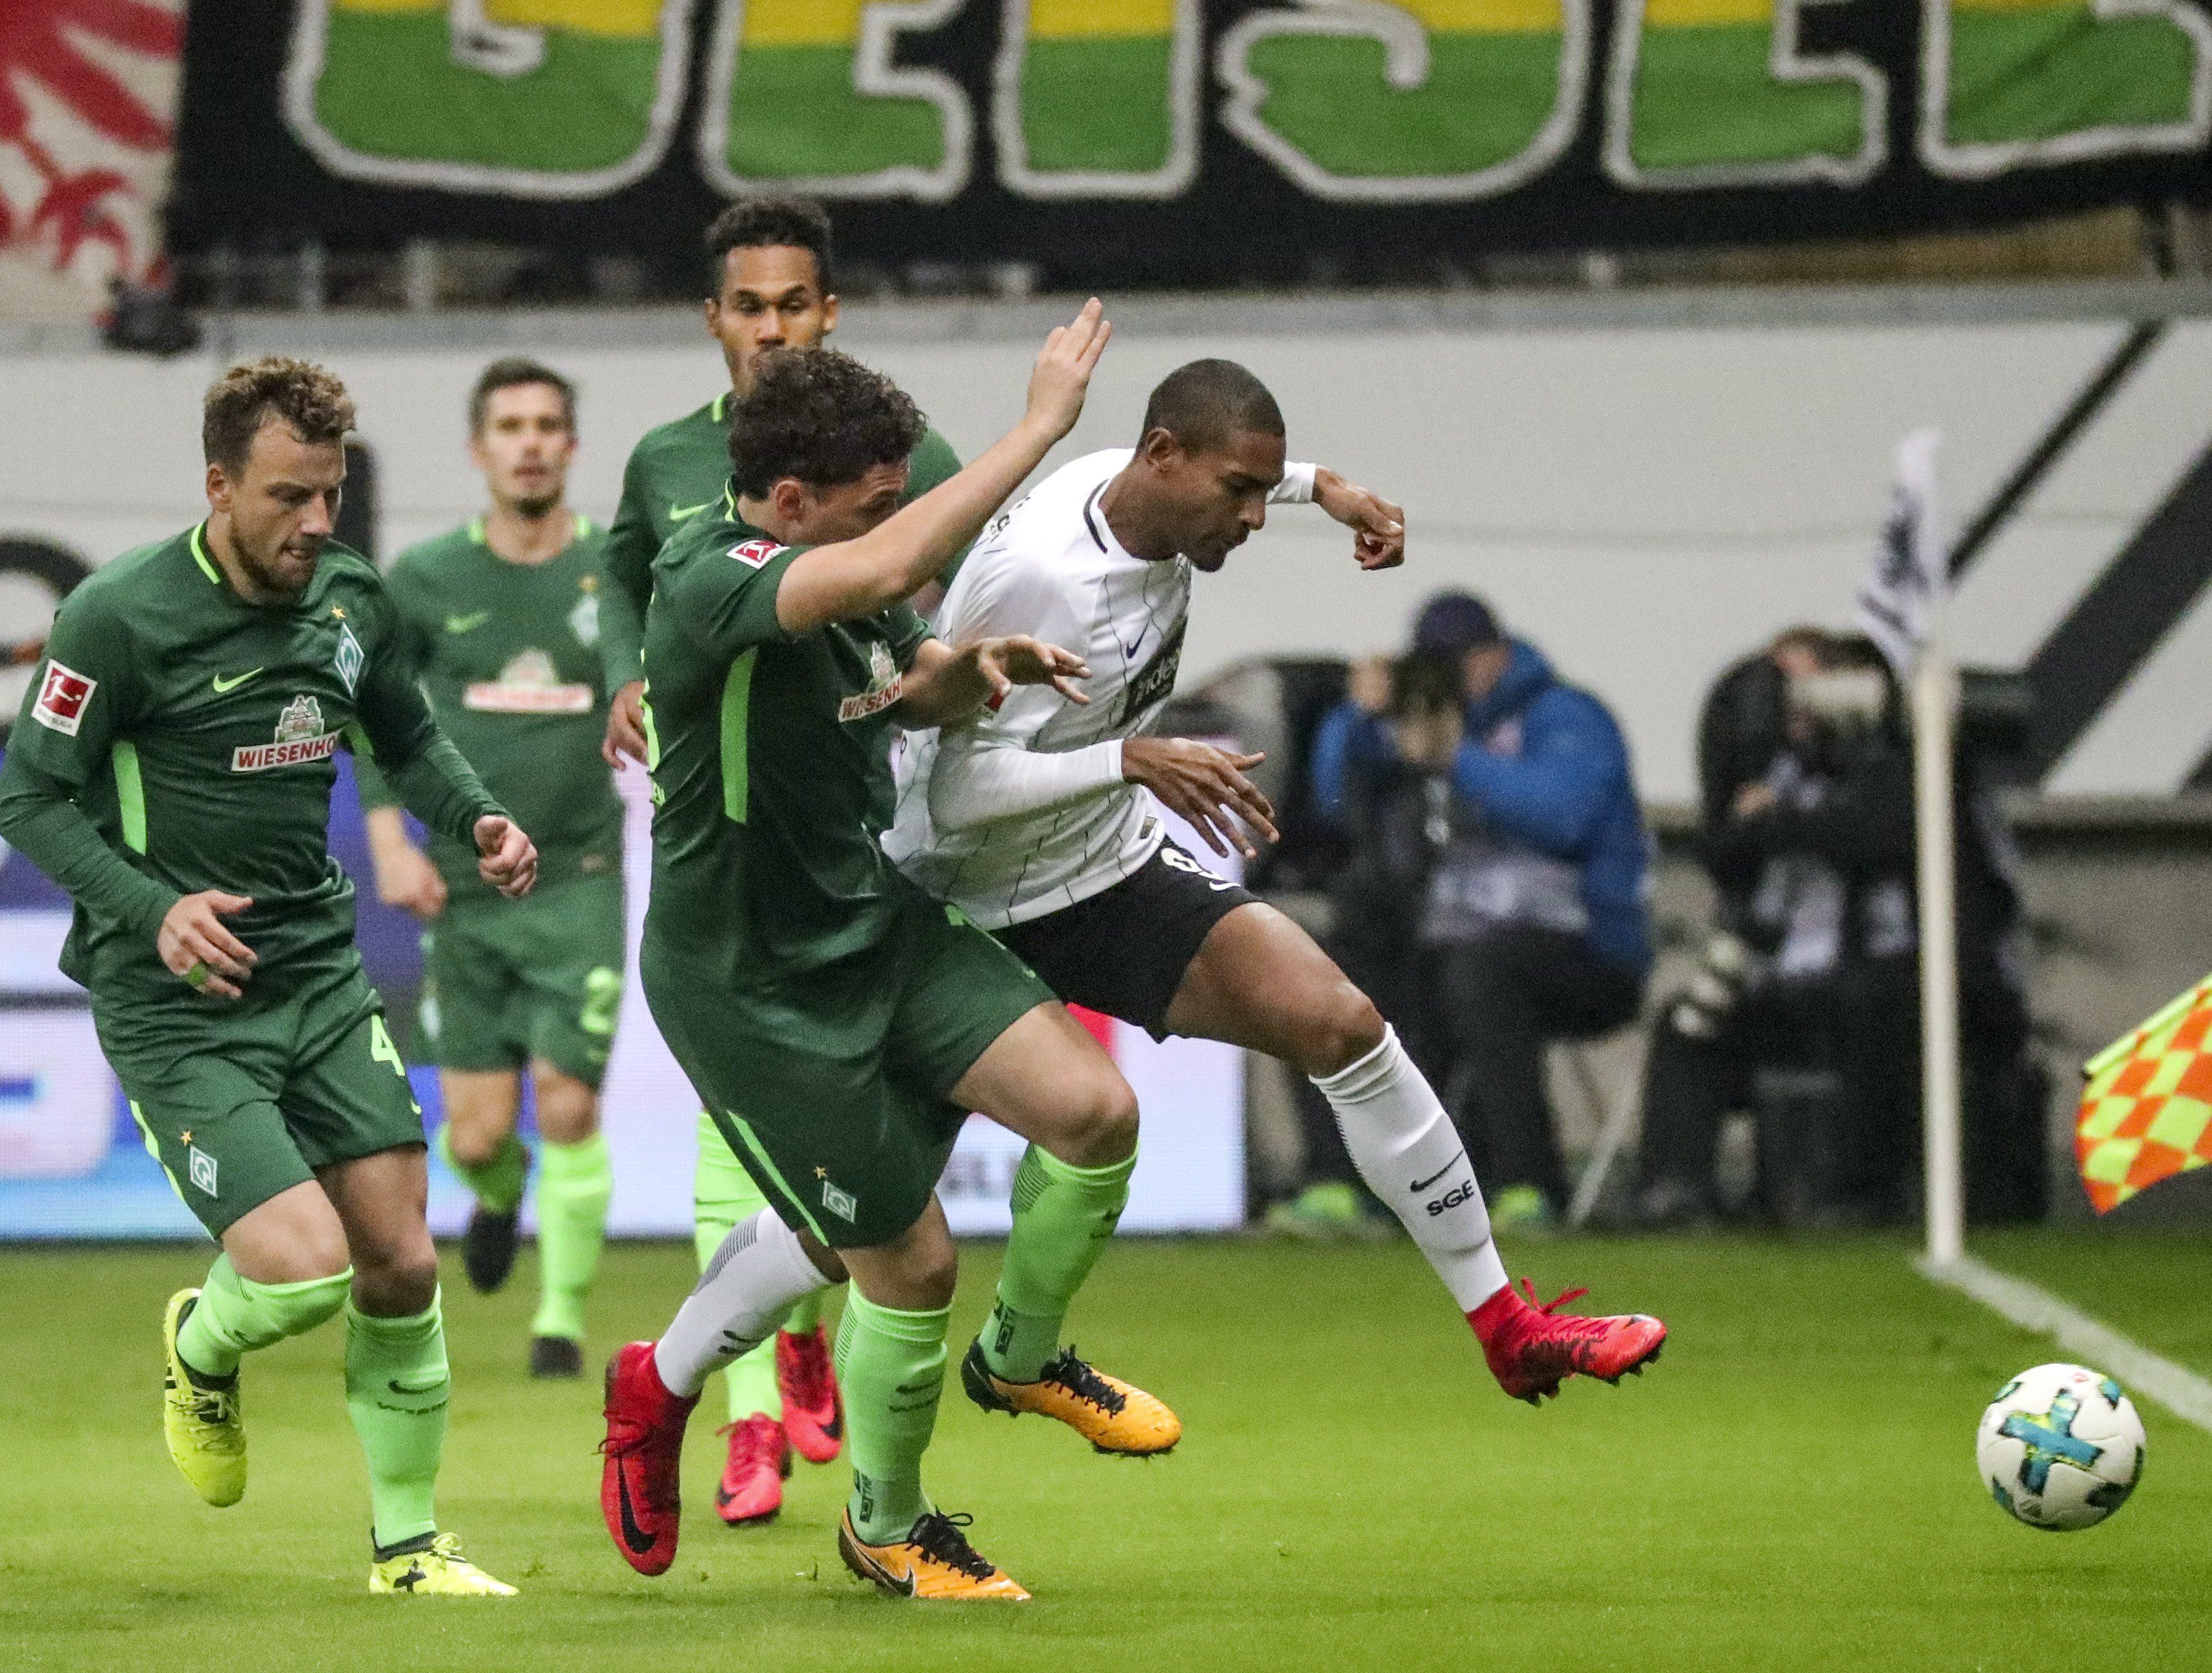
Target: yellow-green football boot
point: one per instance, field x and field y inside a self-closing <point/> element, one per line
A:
<point x="205" y="1431"/>
<point x="432" y="1567"/>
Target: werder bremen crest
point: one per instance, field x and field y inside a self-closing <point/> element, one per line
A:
<point x="348" y="659"/>
<point x="584" y="619"/>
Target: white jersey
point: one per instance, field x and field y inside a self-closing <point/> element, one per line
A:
<point x="1049" y="567"/>
<point x="1018" y="813"/>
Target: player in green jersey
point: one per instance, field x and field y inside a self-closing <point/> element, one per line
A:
<point x="172" y="770"/>
<point x="772" y="285"/>
<point x="501" y="620"/>
<point x="837" y="1021"/>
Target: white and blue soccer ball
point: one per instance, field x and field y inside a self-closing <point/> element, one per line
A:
<point x="2060" y="1447"/>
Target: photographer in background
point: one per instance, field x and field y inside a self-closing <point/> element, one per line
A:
<point x="1807" y="776"/>
<point x="1497" y="883"/>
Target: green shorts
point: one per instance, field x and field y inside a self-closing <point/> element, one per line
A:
<point x="831" y="1085"/>
<point x="241" y="1100"/>
<point x="507" y="981"/>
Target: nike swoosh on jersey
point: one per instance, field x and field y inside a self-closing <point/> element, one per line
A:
<point x="467" y="623"/>
<point x="234" y="681"/>
<point x="677" y="514"/>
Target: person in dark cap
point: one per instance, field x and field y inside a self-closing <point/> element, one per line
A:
<point x="1499" y="868"/>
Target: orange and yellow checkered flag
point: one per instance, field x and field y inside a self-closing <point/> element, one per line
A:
<point x="2146" y="1111"/>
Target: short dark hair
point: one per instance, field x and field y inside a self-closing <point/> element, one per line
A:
<point x="514" y="372"/>
<point x="821" y="416"/>
<point x="763" y="224"/>
<point x="308" y="397"/>
<point x="1204" y="403"/>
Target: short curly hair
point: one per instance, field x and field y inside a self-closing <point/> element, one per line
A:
<point x="818" y="416"/>
<point x="308" y="397"/>
<point x="766" y="224"/>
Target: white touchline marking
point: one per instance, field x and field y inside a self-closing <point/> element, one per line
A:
<point x="2180" y="1390"/>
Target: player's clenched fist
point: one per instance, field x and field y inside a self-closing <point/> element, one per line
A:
<point x="195" y="944"/>
<point x="1205" y="787"/>
<point x="506" y="858"/>
<point x="1378" y="526"/>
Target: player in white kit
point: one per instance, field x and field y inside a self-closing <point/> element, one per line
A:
<point x="1034" y="819"/>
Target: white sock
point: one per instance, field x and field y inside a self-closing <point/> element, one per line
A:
<point x="1408" y="1151"/>
<point x="753" y="1277"/>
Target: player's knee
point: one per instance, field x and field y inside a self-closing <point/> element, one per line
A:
<point x="397" y="1279"/>
<point x="1345" y="1030"/>
<point x="1101" y="1129"/>
<point x="474" y="1144"/>
<point x="567" y="1109"/>
<point x="932" y="1274"/>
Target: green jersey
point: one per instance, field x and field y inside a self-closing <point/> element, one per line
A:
<point x="770" y="755"/>
<point x="508" y="655"/>
<point x="179" y="739"/>
<point x="677" y="472"/>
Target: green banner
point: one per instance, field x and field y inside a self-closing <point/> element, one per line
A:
<point x="1257" y="127"/>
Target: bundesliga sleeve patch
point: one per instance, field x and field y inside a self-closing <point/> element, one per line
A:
<point x="63" y="697"/>
<point x="754" y="553"/>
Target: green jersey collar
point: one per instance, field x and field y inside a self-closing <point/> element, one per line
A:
<point x="721" y="407"/>
<point x="580" y="529"/>
<point x="200" y="555"/>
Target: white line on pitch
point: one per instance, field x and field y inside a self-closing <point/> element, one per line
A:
<point x="2141" y="1371"/>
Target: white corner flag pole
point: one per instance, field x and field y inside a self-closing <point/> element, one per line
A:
<point x="1935" y="702"/>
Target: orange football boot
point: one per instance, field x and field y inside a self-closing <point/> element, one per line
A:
<point x="934" y="1563"/>
<point x="1108" y="1413"/>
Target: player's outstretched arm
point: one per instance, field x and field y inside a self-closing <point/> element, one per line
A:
<point x="860" y="577"/>
<point x="944" y="685"/>
<point x="1378" y="526"/>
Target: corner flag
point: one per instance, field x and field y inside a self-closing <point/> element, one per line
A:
<point x="2146" y="1111"/>
<point x="1898" y="596"/>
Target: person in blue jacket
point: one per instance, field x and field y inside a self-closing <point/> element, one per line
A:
<point x="1523" y="899"/>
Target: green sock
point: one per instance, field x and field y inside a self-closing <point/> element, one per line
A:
<point x="892" y="1366"/>
<point x="573" y="1183"/>
<point x="233" y="1316"/>
<point x="396" y="1387"/>
<point x="805" y="1314"/>
<point x="722" y="1195"/>
<point x="497" y="1184"/>
<point x="1063" y="1215"/>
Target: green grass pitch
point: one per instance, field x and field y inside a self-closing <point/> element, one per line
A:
<point x="1791" y="1486"/>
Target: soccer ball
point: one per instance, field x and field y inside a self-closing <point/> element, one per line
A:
<point x="2061" y="1447"/>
